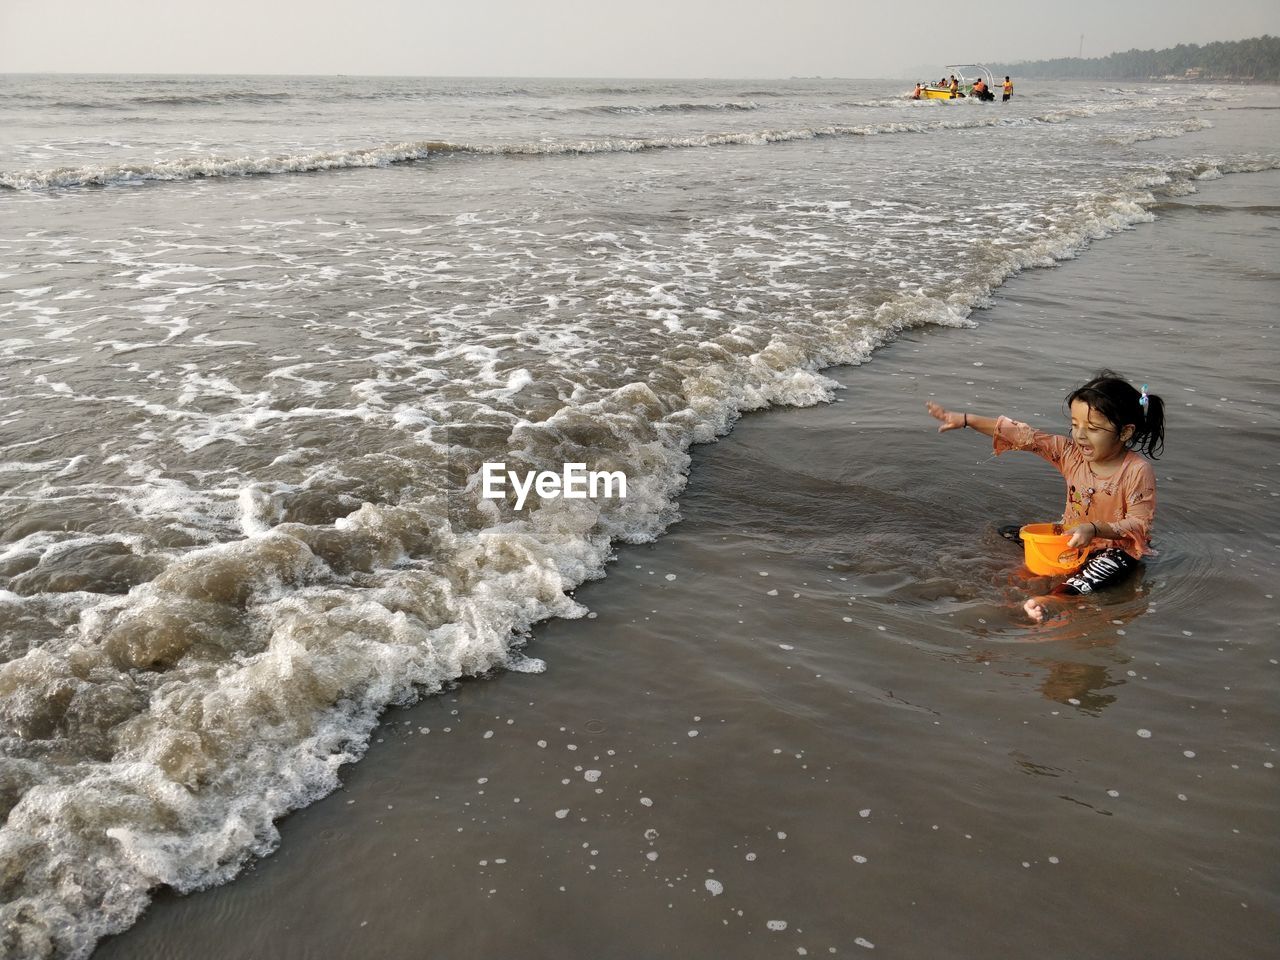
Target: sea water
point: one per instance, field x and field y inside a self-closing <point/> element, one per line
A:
<point x="261" y="334"/>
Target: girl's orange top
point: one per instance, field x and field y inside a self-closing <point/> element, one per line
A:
<point x="1125" y="501"/>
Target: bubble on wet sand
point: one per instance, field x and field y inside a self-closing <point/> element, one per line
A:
<point x="561" y="814"/>
<point x="1144" y="733"/>
<point x="646" y="802"/>
<point x="591" y="776"/>
<point x="777" y="925"/>
<point x="714" y="887"/>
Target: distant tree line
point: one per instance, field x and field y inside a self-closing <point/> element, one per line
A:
<point x="1255" y="60"/>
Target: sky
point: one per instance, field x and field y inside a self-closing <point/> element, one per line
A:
<point x="595" y="38"/>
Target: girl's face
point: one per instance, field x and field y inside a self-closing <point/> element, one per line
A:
<point x="1095" y="435"/>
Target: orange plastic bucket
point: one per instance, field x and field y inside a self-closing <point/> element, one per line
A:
<point x="1044" y="547"/>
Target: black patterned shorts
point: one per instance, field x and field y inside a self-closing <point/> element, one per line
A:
<point x="1102" y="569"/>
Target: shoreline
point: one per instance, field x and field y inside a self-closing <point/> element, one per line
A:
<point x="909" y="710"/>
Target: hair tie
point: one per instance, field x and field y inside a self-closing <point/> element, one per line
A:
<point x="1144" y="401"/>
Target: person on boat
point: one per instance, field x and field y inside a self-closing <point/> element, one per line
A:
<point x="1008" y="89"/>
<point x="955" y="87"/>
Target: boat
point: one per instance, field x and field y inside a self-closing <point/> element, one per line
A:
<point x="966" y="75"/>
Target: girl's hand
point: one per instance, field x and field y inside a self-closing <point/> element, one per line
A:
<point x="1078" y="537"/>
<point x="950" y="421"/>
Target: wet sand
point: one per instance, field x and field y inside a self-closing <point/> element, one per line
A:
<point x="829" y="729"/>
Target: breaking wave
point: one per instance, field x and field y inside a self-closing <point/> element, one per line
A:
<point x="214" y="167"/>
<point x="625" y="109"/>
<point x="233" y="683"/>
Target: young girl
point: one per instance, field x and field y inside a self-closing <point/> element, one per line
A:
<point x="1111" y="490"/>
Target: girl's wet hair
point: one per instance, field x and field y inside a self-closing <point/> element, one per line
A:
<point x="1120" y="402"/>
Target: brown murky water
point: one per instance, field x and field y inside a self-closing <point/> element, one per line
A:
<point x="810" y="720"/>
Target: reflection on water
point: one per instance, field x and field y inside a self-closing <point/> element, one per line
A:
<point x="1077" y="684"/>
<point x="1095" y="623"/>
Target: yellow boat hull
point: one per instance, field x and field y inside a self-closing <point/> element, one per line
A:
<point x="930" y="94"/>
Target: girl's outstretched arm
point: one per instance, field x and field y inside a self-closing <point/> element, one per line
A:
<point x="951" y="420"/>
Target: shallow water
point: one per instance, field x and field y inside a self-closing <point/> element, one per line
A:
<point x="813" y="702"/>
<point x="242" y="407"/>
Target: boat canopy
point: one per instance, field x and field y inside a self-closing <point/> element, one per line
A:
<point x="967" y="73"/>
